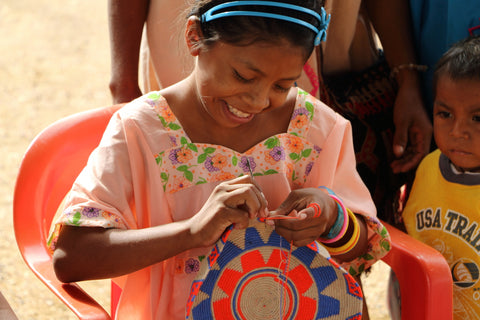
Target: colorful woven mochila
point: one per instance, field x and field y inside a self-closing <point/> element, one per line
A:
<point x="255" y="273"/>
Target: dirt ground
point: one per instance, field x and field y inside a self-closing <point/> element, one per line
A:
<point x="54" y="61"/>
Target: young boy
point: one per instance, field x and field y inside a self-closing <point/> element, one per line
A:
<point x="443" y="209"/>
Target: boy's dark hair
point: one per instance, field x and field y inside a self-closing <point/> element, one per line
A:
<point x="460" y="62"/>
<point x="245" y="30"/>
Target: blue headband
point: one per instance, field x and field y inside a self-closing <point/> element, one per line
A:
<point x="323" y="19"/>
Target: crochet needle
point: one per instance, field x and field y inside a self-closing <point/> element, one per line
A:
<point x="249" y="165"/>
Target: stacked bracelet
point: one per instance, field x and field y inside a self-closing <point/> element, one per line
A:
<point x="350" y="244"/>
<point x="341" y="224"/>
<point x="409" y="66"/>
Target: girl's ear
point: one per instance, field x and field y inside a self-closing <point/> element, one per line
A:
<point x="193" y="36"/>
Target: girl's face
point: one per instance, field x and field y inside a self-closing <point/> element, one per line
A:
<point x="235" y="83"/>
<point x="456" y="121"/>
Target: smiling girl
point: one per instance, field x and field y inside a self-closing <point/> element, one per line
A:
<point x="175" y="168"/>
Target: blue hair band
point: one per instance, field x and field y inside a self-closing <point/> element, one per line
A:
<point x="323" y="18"/>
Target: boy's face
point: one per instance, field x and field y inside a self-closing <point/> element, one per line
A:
<point x="456" y="121"/>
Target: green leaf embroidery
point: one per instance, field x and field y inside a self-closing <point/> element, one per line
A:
<point x="385" y="245"/>
<point x="188" y="175"/>
<point x="182" y="168"/>
<point x="76" y="218"/>
<point x="306" y="153"/>
<point x="209" y="150"/>
<point x="309" y="107"/>
<point x="361" y="268"/>
<point x="294" y="156"/>
<point x="173" y="126"/>
<point x="384" y="232"/>
<point x="234" y="160"/>
<point x="352" y="271"/>
<point x="367" y="257"/>
<point x="183" y="140"/>
<point x="164" y="122"/>
<point x="164" y="176"/>
<point x="201" y="158"/>
<point x="271" y="171"/>
<point x="272" y="142"/>
<point x="201" y="181"/>
<point x="192" y="146"/>
<point x="153" y="95"/>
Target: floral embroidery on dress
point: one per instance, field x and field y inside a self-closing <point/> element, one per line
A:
<point x="381" y="245"/>
<point x="84" y="216"/>
<point x="188" y="164"/>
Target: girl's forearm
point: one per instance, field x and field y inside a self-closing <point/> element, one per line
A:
<point x="85" y="253"/>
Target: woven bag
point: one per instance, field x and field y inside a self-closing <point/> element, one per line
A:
<point x="256" y="274"/>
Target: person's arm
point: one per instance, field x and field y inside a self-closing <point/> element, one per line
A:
<point x="88" y="253"/>
<point x="413" y="129"/>
<point x="126" y="20"/>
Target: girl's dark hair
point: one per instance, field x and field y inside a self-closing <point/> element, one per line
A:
<point x="245" y="30"/>
<point x="460" y="62"/>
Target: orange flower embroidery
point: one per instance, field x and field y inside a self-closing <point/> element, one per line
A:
<point x="166" y="113"/>
<point x="223" y="176"/>
<point x="219" y="161"/>
<point x="300" y="121"/>
<point x="294" y="144"/>
<point x="269" y="159"/>
<point x="184" y="155"/>
<point x="179" y="184"/>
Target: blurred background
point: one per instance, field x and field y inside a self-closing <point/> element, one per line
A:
<point x="55" y="61"/>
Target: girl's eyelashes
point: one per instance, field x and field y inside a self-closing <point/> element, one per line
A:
<point x="282" y="89"/>
<point x="240" y="77"/>
<point x="476" y="117"/>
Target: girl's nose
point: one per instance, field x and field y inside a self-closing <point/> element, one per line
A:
<point x="258" y="99"/>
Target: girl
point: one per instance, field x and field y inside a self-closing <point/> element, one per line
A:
<point x="172" y="170"/>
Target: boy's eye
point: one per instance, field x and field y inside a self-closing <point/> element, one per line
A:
<point x="443" y="114"/>
<point x="476" y="118"/>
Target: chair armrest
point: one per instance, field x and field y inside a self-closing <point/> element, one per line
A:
<point x="426" y="285"/>
<point x="71" y="294"/>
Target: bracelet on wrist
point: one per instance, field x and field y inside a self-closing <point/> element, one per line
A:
<point x="352" y="242"/>
<point x="408" y="66"/>
<point x="337" y="231"/>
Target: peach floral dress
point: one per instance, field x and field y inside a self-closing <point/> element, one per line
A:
<point x="146" y="172"/>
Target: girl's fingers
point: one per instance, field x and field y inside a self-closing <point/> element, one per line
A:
<point x="244" y="192"/>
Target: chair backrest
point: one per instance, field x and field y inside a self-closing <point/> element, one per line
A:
<point x="50" y="165"/>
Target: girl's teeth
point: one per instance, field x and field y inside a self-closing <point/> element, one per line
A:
<point x="237" y="112"/>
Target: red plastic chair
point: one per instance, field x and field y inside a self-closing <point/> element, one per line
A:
<point x="48" y="169"/>
<point x="426" y="285"/>
<point x="57" y="155"/>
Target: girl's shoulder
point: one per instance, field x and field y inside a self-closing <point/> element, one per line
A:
<point x="323" y="119"/>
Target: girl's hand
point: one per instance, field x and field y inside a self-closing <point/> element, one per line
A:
<point x="306" y="228"/>
<point x="232" y="202"/>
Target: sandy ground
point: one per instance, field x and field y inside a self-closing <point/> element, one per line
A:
<point x="54" y="61"/>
